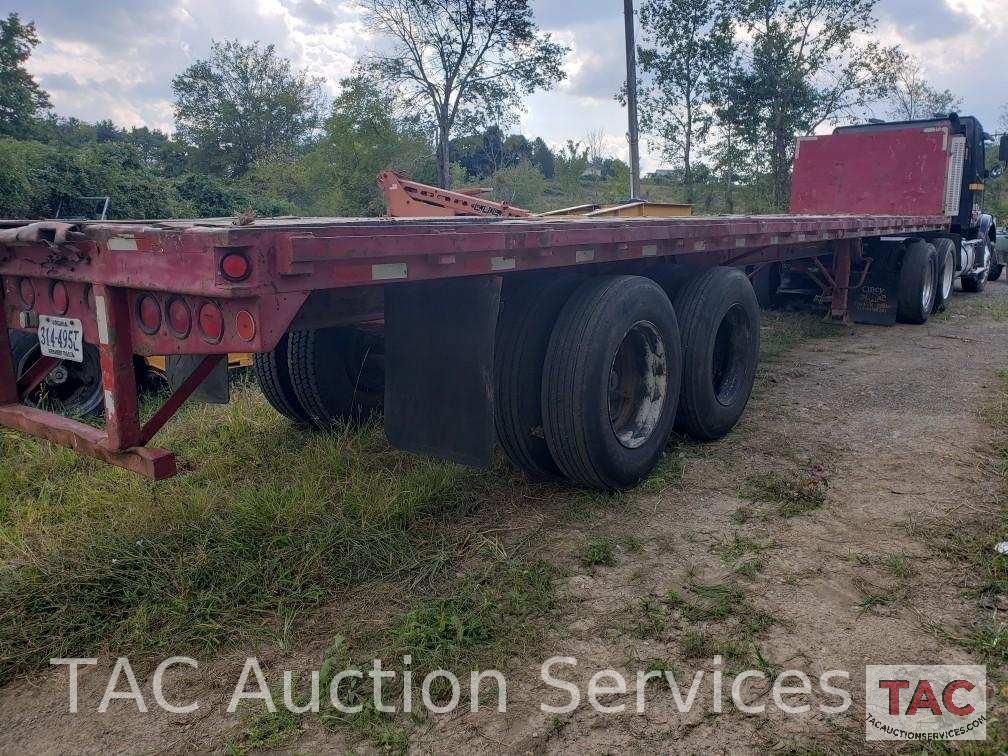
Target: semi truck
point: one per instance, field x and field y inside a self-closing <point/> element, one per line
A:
<point x="576" y="345"/>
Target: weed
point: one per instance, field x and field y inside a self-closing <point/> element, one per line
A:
<point x="556" y="726"/>
<point x="899" y="566"/>
<point x="270" y="729"/>
<point x="696" y="644"/>
<point x="599" y="553"/>
<point x="792" y="495"/>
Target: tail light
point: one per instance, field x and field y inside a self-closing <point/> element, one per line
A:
<point x="235" y="267"/>
<point x="59" y="297"/>
<point x="211" y="322"/>
<point x="179" y="318"/>
<point x="245" y="325"/>
<point x="149" y="314"/>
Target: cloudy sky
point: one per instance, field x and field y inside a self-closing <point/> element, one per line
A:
<point x="115" y="59"/>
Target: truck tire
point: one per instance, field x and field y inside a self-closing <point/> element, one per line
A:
<point x="945" y="261"/>
<point x="719" y="319"/>
<point x="975" y="284"/>
<point x="272" y="373"/>
<point x="337" y="374"/>
<point x="73" y="389"/>
<point x="528" y="315"/>
<point x="995" y="272"/>
<point x="611" y="382"/>
<point x="916" y="292"/>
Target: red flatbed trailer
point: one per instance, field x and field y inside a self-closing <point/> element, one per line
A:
<point x="273" y="287"/>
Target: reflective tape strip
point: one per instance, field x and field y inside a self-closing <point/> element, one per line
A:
<point x="101" y="311"/>
<point x="122" y="244"/>
<point x="388" y="271"/>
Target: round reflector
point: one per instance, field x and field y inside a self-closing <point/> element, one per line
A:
<point x="27" y="291"/>
<point x="245" y="325"/>
<point x="59" y="296"/>
<point x="149" y="314"/>
<point x="235" y="266"/>
<point x="211" y="322"/>
<point x="179" y="318"/>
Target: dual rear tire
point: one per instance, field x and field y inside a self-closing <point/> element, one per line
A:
<point x="324" y="377"/>
<point x="615" y="370"/>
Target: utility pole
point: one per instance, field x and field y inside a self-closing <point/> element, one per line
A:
<point x="634" y="133"/>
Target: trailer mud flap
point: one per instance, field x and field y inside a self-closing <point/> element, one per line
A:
<point x="215" y="388"/>
<point x="877" y="301"/>
<point x="439" y="351"/>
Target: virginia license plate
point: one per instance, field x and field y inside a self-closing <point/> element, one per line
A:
<point x="62" y="338"/>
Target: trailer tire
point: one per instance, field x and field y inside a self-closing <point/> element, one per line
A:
<point x="272" y="373"/>
<point x="611" y="382"/>
<point x="79" y="393"/>
<point x="528" y="314"/>
<point x="995" y="272"/>
<point x="916" y="291"/>
<point x="945" y="262"/>
<point x="332" y="377"/>
<point x="975" y="284"/>
<point x="719" y="317"/>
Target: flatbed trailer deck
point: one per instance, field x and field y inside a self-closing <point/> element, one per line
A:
<point x="576" y="345"/>
<point x="211" y="287"/>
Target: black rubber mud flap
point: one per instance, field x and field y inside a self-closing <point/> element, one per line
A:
<point x="439" y="356"/>
<point x="877" y="302"/>
<point x="215" y="389"/>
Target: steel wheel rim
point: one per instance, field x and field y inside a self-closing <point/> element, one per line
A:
<point x="927" y="291"/>
<point x="948" y="275"/>
<point x="76" y="391"/>
<point x="728" y="363"/>
<point x="638" y="385"/>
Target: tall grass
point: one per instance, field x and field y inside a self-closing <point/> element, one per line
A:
<point x="265" y="523"/>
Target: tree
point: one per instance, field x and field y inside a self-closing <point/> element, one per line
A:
<point x="367" y="132"/>
<point x="543" y="158"/>
<point x="570" y="165"/>
<point x="520" y="185"/>
<point x="21" y="98"/>
<point x="466" y="62"/>
<point x="244" y="103"/>
<point x="912" y="97"/>
<point x="806" y="68"/>
<point x="685" y="42"/>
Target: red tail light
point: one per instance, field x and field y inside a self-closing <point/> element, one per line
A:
<point x="211" y="322"/>
<point x="235" y="267"/>
<point x="179" y="318"/>
<point x="59" y="297"/>
<point x="149" y="314"/>
<point x="245" y="325"/>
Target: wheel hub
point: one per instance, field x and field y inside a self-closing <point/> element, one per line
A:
<point x="638" y="384"/>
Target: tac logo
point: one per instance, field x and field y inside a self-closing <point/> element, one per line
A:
<point x="913" y="702"/>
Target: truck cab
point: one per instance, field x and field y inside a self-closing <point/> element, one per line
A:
<point x="966" y="179"/>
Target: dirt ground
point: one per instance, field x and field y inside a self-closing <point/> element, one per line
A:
<point x="884" y="422"/>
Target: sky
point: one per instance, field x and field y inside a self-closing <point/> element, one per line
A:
<point x="115" y="59"/>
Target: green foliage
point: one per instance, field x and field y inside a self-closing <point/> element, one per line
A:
<point x="686" y="44"/>
<point x="244" y="103"/>
<point x="520" y="185"/>
<point x="21" y="98"/>
<point x="36" y="178"/>
<point x="364" y="135"/>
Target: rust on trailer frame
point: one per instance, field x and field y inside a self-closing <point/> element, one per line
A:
<point x="157" y="288"/>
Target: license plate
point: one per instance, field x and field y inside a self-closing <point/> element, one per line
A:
<point x="62" y="338"/>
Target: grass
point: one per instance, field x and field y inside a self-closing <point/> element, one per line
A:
<point x="599" y="553"/>
<point x="266" y="524"/>
<point x="790" y="494"/>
